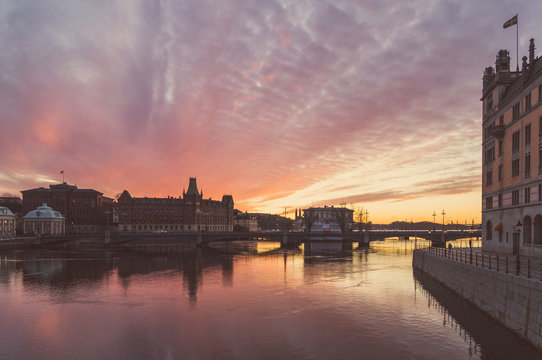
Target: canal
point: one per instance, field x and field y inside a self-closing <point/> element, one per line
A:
<point x="237" y="301"/>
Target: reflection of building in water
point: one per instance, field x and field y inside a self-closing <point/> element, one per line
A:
<point x="191" y="212"/>
<point x="44" y="220"/>
<point x="66" y="270"/>
<point x="512" y="156"/>
<point x="7" y="222"/>
<point x="472" y="324"/>
<point x="328" y="219"/>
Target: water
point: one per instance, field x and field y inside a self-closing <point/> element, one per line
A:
<point x="237" y="301"/>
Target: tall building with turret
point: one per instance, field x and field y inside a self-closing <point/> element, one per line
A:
<point x="189" y="212"/>
<point x="512" y="156"/>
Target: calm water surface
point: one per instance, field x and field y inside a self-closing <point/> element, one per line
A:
<point x="237" y="301"/>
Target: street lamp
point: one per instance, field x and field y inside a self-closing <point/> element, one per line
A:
<point x="517" y="229"/>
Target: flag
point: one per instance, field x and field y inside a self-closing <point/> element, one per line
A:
<point x="512" y="21"/>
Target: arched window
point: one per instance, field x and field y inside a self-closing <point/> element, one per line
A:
<point x="537" y="224"/>
<point x="527" y="230"/>
<point x="489" y="230"/>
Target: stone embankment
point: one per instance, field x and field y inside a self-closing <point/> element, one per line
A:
<point x="513" y="300"/>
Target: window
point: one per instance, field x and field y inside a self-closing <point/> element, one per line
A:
<point x="528" y="134"/>
<point x="500" y="200"/>
<point x="501" y="120"/>
<point x="515" y="112"/>
<point x="489" y="202"/>
<point x="500" y="147"/>
<point x="528" y="102"/>
<point x="527" y="195"/>
<point x="489" y="177"/>
<point x="490" y="155"/>
<point x="515" y="167"/>
<point x="515" y="141"/>
<point x="515" y="197"/>
<point x="527" y="165"/>
<point x="500" y="172"/>
<point x="539" y="192"/>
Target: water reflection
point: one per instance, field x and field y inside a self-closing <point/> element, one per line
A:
<point x="485" y="338"/>
<point x="231" y="300"/>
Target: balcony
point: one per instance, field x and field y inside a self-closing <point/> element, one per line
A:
<point x="498" y="131"/>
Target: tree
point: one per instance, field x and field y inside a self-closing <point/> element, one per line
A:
<point x="309" y="218"/>
<point x="358" y="213"/>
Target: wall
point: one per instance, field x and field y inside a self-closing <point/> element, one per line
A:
<point x="516" y="302"/>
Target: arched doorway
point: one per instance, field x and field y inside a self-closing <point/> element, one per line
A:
<point x="527" y="230"/>
<point x="489" y="230"/>
<point x="537" y="233"/>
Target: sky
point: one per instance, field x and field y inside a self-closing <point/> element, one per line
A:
<point x="282" y="104"/>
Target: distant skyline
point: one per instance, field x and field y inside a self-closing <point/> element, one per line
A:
<point x="283" y="104"/>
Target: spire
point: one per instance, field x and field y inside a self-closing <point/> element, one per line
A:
<point x="531" y="52"/>
<point x="192" y="187"/>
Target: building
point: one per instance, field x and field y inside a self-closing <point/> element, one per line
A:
<point x="328" y="218"/>
<point x="85" y="210"/>
<point x="245" y="222"/>
<point x="8" y="223"/>
<point x="189" y="212"/>
<point x="44" y="221"/>
<point x="512" y="156"/>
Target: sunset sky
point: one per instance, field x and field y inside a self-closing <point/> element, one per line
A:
<point x="283" y="104"/>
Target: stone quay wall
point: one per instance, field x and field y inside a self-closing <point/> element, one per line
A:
<point x="514" y="301"/>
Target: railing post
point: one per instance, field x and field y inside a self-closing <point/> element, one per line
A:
<point x="497" y="262"/>
<point x="518" y="266"/>
<point x="506" y="263"/>
<point x="529" y="268"/>
<point x="476" y="259"/>
<point x="482" y="260"/>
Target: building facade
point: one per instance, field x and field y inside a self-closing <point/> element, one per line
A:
<point x="85" y="210"/>
<point x="7" y="223"/>
<point x="328" y="218"/>
<point x="44" y="221"/>
<point x="246" y="222"/>
<point x="189" y="212"/>
<point x="512" y="156"/>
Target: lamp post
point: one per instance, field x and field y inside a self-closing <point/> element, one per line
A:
<point x="443" y="227"/>
<point x="434" y="220"/>
<point x="517" y="229"/>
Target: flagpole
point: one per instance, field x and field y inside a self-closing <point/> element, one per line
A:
<point x="517" y="42"/>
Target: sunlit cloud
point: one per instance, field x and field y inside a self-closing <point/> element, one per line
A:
<point x="280" y="103"/>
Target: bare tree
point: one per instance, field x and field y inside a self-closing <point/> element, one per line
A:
<point x="342" y="218"/>
<point x="309" y="218"/>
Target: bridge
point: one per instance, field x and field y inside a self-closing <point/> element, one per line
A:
<point x="290" y="239"/>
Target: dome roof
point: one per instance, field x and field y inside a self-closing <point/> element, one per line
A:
<point x="4" y="211"/>
<point x="43" y="212"/>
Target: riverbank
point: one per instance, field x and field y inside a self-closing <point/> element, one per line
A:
<point x="513" y="300"/>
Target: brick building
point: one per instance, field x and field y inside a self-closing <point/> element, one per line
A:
<point x="85" y="210"/>
<point x="189" y="212"/>
<point x="512" y="156"/>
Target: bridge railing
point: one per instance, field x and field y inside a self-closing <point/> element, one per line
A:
<point x="517" y="265"/>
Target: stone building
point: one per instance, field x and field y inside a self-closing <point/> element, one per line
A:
<point x="44" y="221"/>
<point x="7" y="223"/>
<point x="328" y="218"/>
<point x="189" y="212"/>
<point x="512" y="156"/>
<point x="246" y="222"/>
<point x="85" y="210"/>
